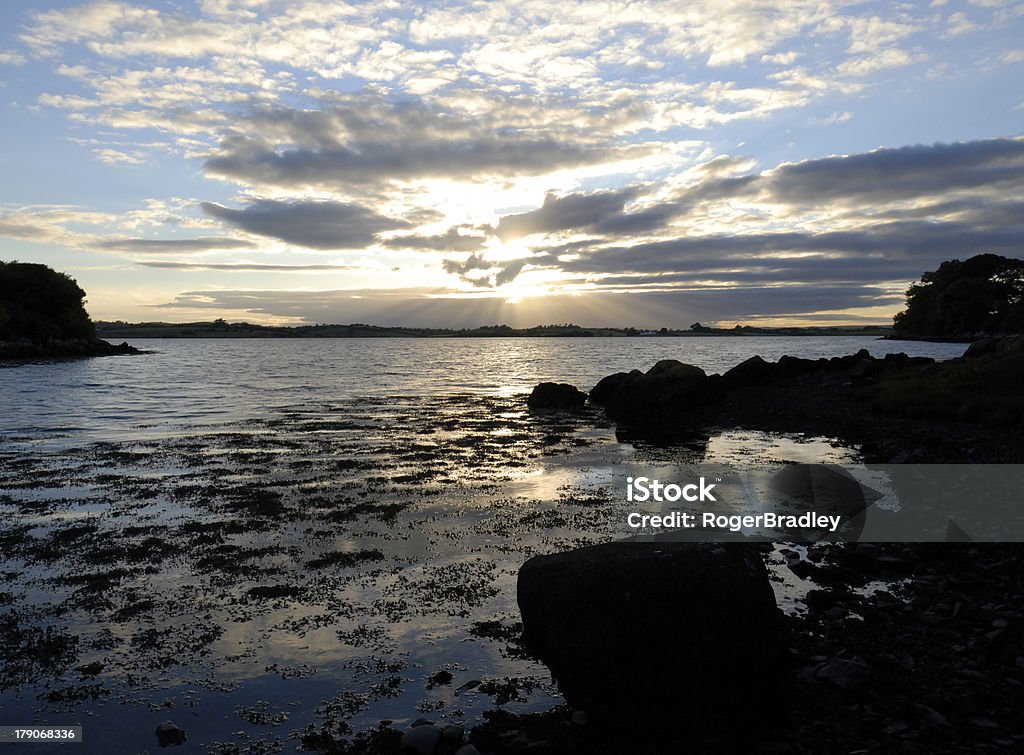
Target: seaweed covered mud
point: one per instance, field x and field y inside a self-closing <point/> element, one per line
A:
<point x="323" y="569"/>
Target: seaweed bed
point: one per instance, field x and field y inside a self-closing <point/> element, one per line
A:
<point x="325" y="577"/>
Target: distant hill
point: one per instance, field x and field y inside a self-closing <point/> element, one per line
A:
<point x="224" y="329"/>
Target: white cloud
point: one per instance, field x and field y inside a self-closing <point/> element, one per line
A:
<point x="863" y="66"/>
<point x="959" y="24"/>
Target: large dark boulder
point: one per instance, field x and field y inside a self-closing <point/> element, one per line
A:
<point x="676" y="634"/>
<point x="752" y="371"/>
<point x="609" y="386"/>
<point x="982" y="347"/>
<point x="675" y="371"/>
<point x="556" y="396"/>
<point x="670" y="394"/>
<point x="790" y="366"/>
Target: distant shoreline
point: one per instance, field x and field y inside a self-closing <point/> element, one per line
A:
<point x="221" y="329"/>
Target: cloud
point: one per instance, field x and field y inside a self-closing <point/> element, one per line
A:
<point x="314" y="225"/>
<point x="571" y="212"/>
<point x="498" y="273"/>
<point x="904" y="172"/>
<point x="472" y="262"/>
<point x="256" y="267"/>
<point x="901" y="247"/>
<point x="452" y="241"/>
<point x="178" y="246"/>
<point x="872" y="179"/>
<point x="375" y="141"/>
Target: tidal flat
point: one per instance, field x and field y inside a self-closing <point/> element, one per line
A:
<point x="289" y="580"/>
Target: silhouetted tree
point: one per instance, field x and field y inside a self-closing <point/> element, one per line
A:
<point x="39" y="303"/>
<point x="983" y="294"/>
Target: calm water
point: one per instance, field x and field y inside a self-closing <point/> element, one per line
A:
<point x="185" y="383"/>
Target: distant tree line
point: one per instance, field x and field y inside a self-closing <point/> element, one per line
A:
<point x="980" y="295"/>
<point x="40" y="304"/>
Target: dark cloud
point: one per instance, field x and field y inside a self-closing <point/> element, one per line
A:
<point x="570" y="212"/>
<point x="452" y="241"/>
<point x="370" y="140"/>
<point x="472" y="262"/>
<point x="509" y="272"/>
<point x="315" y="225"/>
<point x="254" y="162"/>
<point x="863" y="183"/>
<point x="870" y="178"/>
<point x="177" y="246"/>
<point x="904" y="172"/>
<point x="500" y="272"/>
<point x="895" y="250"/>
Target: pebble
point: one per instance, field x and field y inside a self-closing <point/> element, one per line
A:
<point x="421" y="739"/>
<point x="843" y="673"/>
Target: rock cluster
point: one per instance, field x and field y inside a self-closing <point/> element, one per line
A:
<point x="858" y="398"/>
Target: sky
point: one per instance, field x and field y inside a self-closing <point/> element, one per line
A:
<point x="646" y="164"/>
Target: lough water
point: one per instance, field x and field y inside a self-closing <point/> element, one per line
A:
<point x="189" y="383"/>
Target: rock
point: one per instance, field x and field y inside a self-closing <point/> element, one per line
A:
<point x="608" y="387"/>
<point x="673" y="369"/>
<point x="753" y="371"/>
<point x="788" y="366"/>
<point x="982" y="347"/>
<point x="556" y="396"/>
<point x="467" y="750"/>
<point x="849" y="361"/>
<point x="169" y="734"/>
<point x="829" y="490"/>
<point x="866" y="369"/>
<point x="421" y="739"/>
<point x="1010" y="345"/>
<point x="669" y="395"/>
<point x="471" y="684"/>
<point x="91" y="669"/>
<point x="440" y="678"/>
<point x="453" y="733"/>
<point x="931" y="716"/>
<point x="844" y="673"/>
<point x="619" y="624"/>
<point x="919" y="362"/>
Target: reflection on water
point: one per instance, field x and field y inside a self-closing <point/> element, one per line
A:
<point x="259" y="539"/>
<point x="189" y="383"/>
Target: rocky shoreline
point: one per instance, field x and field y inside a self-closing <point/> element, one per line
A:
<point x="25" y="350"/>
<point x="903" y="648"/>
<point x="896" y="409"/>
